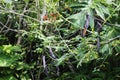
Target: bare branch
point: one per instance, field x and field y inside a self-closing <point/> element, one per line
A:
<point x="51" y="53"/>
<point x="8" y="28"/>
<point x="20" y="23"/>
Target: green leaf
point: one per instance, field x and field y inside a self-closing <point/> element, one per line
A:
<point x="90" y="55"/>
<point x="97" y="79"/>
<point x="6" y="60"/>
<point x="16" y="48"/>
<point x="7" y="48"/>
<point x="104" y="9"/>
<point x="105" y="48"/>
<point x="109" y="1"/>
<point x="26" y="1"/>
<point x="91" y="20"/>
<point x="62" y="59"/>
<point x="78" y="20"/>
<point x="21" y="65"/>
<point x="78" y="5"/>
<point x="7" y="77"/>
<point x="8" y="1"/>
<point x="100" y="13"/>
<point x="117" y="45"/>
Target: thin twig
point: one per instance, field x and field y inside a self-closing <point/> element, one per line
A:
<point x="20" y="23"/>
<point x="11" y="11"/>
<point x="109" y="24"/>
<point x="51" y="53"/>
<point x="8" y="28"/>
<point x="111" y="40"/>
<point x="43" y="14"/>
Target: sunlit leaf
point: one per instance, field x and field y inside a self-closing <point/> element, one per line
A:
<point x="6" y="60"/>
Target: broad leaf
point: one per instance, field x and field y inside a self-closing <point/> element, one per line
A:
<point x="78" y="20"/>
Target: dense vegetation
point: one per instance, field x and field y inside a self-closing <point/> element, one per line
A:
<point x="59" y="39"/>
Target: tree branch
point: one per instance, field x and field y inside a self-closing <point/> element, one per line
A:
<point x="111" y="40"/>
<point x="20" y="23"/>
<point x="4" y="26"/>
